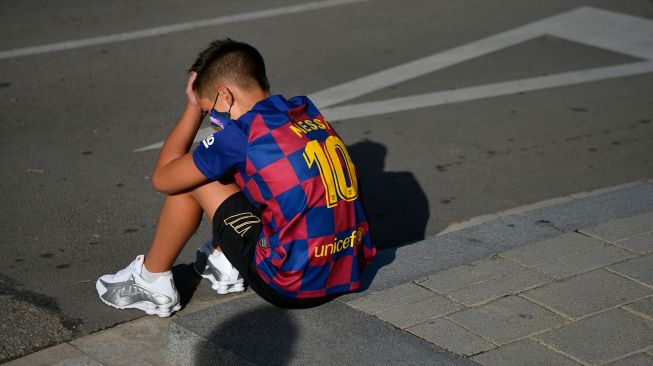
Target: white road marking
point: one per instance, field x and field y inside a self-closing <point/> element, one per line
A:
<point x="484" y="91"/>
<point x="597" y="28"/>
<point x="612" y="31"/>
<point x="395" y="75"/>
<point x="173" y="28"/>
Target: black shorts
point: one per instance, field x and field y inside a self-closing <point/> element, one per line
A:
<point x="236" y="229"/>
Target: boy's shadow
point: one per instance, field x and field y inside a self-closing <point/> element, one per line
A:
<point x="397" y="207"/>
<point x="186" y="281"/>
<point x="396" y="204"/>
<point x="261" y="335"/>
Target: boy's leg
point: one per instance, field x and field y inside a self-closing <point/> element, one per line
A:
<point x="225" y="270"/>
<point x="180" y="216"/>
<point x="211" y="195"/>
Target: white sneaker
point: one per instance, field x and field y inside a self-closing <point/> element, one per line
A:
<point x="215" y="266"/>
<point x="127" y="289"/>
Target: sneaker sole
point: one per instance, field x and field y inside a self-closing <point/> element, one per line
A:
<point x="163" y="311"/>
<point x="222" y="287"/>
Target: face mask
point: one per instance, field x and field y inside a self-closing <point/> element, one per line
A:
<point x="219" y="119"/>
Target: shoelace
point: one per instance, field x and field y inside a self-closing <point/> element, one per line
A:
<point x="126" y="270"/>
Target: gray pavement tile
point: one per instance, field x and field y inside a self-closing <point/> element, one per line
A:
<point x="390" y="298"/>
<point x="640" y="269"/>
<point x="505" y="233"/>
<point x="418" y="312"/>
<point x="523" y="352"/>
<point x="141" y="341"/>
<point x="534" y="206"/>
<point x="197" y="304"/>
<point x="396" y="266"/>
<point x="638" y="359"/>
<point x="584" y="261"/>
<point x="63" y="354"/>
<point x="642" y="244"/>
<point x="617" y="230"/>
<point x="588" y="293"/>
<point x="560" y="246"/>
<point x="507" y="319"/>
<point x="499" y="287"/>
<point x="470" y="274"/>
<point x="589" y="211"/>
<point x="643" y="307"/>
<point x="448" y="335"/>
<point x="602" y="337"/>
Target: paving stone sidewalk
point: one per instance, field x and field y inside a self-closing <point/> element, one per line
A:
<point x="540" y="285"/>
<point x="584" y="297"/>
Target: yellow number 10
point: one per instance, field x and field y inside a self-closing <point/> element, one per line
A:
<point x="330" y="160"/>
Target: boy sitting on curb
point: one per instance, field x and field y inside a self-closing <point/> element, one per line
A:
<point x="277" y="183"/>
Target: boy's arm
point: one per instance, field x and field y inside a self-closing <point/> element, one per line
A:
<point x="175" y="170"/>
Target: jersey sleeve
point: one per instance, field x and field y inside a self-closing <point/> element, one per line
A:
<point x="220" y="152"/>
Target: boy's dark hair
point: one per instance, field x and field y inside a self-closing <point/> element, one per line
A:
<point x="232" y="61"/>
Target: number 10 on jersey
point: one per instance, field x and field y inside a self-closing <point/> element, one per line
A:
<point x="336" y="169"/>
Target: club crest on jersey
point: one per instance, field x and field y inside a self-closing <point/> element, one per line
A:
<point x="216" y="124"/>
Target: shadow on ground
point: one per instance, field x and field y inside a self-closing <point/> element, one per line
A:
<point x="264" y="335"/>
<point x="186" y="281"/>
<point x="397" y="206"/>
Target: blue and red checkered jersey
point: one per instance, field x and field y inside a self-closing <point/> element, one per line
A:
<point x="293" y="166"/>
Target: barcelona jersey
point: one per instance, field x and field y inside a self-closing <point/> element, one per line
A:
<point x="293" y="166"/>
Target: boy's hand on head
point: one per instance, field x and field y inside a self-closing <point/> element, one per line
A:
<point x="175" y="169"/>
<point x="190" y="93"/>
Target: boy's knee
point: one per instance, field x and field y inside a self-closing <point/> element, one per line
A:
<point x="211" y="195"/>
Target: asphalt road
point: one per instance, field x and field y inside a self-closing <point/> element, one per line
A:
<point x="76" y="198"/>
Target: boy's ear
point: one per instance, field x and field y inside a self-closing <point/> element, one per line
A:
<point x="226" y="94"/>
